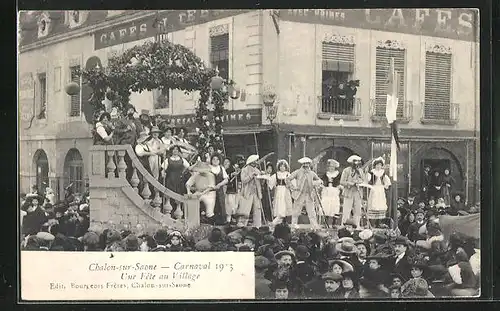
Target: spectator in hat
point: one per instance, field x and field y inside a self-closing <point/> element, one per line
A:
<point x="161" y="239"/>
<point x="175" y="243"/>
<point x="332" y="283"/>
<point x="350" y="285"/>
<point x="303" y="271"/>
<point x="45" y="240"/>
<point x="104" y="130"/>
<point x="400" y="263"/>
<point x="91" y="242"/>
<point x="348" y="229"/>
<point x="35" y="216"/>
<point x="416" y="288"/>
<point x="262" y="285"/>
<point x="376" y="275"/>
<point x="457" y="204"/>
<point x="131" y="243"/>
<point x="363" y="251"/>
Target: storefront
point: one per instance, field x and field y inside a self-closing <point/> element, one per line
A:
<point x="244" y="133"/>
<point x="419" y="148"/>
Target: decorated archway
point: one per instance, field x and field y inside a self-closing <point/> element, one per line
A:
<point x="164" y="65"/>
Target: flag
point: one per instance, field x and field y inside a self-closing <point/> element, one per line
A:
<point x="391" y="115"/>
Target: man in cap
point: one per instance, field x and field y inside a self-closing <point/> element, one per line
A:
<point x="351" y="178"/>
<point x="251" y="192"/>
<point x="306" y="179"/>
<point x="45" y="240"/>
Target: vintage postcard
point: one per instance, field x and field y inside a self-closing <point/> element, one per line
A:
<point x="249" y="154"/>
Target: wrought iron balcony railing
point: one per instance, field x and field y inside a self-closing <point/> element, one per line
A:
<point x="436" y="112"/>
<point x="404" y="113"/>
<point x="339" y="108"/>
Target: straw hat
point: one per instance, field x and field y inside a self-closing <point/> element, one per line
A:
<point x="353" y="158"/>
<point x="342" y="263"/>
<point x="252" y="158"/>
<point x="305" y="160"/>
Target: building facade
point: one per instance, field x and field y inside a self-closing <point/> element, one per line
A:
<point x="302" y="54"/>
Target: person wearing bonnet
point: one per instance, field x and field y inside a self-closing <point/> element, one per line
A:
<point x="282" y="201"/>
<point x="175" y="241"/>
<point x="330" y="192"/>
<point x="377" y="200"/>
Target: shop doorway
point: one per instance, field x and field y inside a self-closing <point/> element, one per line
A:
<point x="435" y="164"/>
<point x="42" y="170"/>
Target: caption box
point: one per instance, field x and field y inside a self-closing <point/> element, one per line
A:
<point x="137" y="275"/>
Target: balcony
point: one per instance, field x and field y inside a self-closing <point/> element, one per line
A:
<point x="339" y="108"/>
<point x="434" y="112"/>
<point x="404" y="113"/>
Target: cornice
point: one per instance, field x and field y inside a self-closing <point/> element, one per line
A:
<point x="83" y="31"/>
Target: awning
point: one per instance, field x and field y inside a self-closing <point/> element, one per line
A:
<point x="241" y="131"/>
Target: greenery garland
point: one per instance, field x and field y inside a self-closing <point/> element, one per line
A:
<point x="164" y="65"/>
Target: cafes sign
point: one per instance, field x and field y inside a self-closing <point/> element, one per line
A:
<point x="142" y="28"/>
<point x="452" y="23"/>
<point x="26" y="99"/>
<point x="233" y="118"/>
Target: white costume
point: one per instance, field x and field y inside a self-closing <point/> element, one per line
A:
<point x="377" y="201"/>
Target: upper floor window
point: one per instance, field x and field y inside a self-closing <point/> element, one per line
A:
<point x="437" y="104"/>
<point x="44" y="22"/>
<point x="75" y="104"/>
<point x="161" y="98"/>
<point x="383" y="54"/>
<point x="337" y="71"/>
<point x="75" y="18"/>
<point x="42" y="99"/>
<point x="219" y="51"/>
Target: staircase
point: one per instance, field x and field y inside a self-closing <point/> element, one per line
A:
<point x="119" y="202"/>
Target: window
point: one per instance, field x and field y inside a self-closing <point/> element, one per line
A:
<point x="42" y="82"/>
<point x="437" y="86"/>
<point x="161" y="98"/>
<point x="383" y="57"/>
<point x="73" y="164"/>
<point x="337" y="70"/>
<point x="75" y="99"/>
<point x="219" y="54"/>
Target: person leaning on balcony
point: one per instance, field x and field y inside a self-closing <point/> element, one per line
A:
<point x="350" y="179"/>
<point x="104" y="130"/>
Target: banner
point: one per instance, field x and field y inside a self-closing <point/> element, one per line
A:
<point x="452" y="23"/>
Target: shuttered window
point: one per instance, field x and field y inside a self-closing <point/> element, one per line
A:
<point x="219" y="54"/>
<point x="338" y="57"/>
<point x="437" y="86"/>
<point x="75" y="99"/>
<point x="42" y="80"/>
<point x="382" y="62"/>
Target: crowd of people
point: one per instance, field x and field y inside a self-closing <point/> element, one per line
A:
<point x="249" y="204"/>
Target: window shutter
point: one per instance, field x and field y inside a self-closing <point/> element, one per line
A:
<point x="219" y="48"/>
<point x="437" y="85"/>
<point x="75" y="99"/>
<point x="382" y="62"/>
<point x="338" y="57"/>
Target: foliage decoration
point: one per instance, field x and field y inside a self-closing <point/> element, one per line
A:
<point x="162" y="65"/>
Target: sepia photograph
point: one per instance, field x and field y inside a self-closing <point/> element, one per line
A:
<point x="270" y="154"/>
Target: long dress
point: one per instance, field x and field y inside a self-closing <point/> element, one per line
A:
<point x="156" y="146"/>
<point x="267" y="207"/>
<point x="448" y="187"/>
<point x="282" y="203"/>
<point x="330" y="195"/>
<point x="377" y="201"/>
<point x="220" y="203"/>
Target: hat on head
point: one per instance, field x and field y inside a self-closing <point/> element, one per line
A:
<point x="131" y="242"/>
<point x="331" y="276"/>
<point x="401" y="240"/>
<point x="346" y="247"/>
<point x="366" y="244"/>
<point x="90" y="238"/>
<point x="416" y="288"/>
<point x="353" y="158"/>
<point x="350" y="222"/>
<point x="161" y="236"/>
<point x="419" y="211"/>
<point x="350" y="274"/>
<point x="378" y="160"/>
<point x="305" y="160"/>
<point x="280" y="254"/>
<point x="342" y="263"/>
<point x="45" y="236"/>
<point x="262" y="262"/>
<point x="282" y="162"/>
<point x="365" y="234"/>
<point x="332" y="162"/>
<point x="155" y="129"/>
<point x="252" y="158"/>
<point x="419" y="262"/>
<point x="175" y="233"/>
<point x="301" y="251"/>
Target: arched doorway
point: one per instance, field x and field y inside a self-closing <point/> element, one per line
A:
<point x="341" y="154"/>
<point x="438" y="159"/>
<point x="73" y="171"/>
<point x="41" y="163"/>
